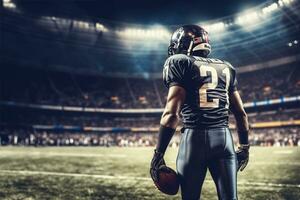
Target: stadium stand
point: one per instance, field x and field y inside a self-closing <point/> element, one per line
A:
<point x="262" y="137"/>
<point x="44" y="127"/>
<point x="57" y="88"/>
<point x="87" y="65"/>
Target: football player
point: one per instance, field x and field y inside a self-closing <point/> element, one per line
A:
<point x="201" y="91"/>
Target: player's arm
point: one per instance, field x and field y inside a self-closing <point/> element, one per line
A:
<point x="237" y="108"/>
<point x="168" y="124"/>
<point x="170" y="117"/>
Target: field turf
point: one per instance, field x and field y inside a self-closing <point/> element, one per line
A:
<point x="72" y="173"/>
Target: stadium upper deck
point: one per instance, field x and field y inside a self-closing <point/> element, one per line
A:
<point x="267" y="32"/>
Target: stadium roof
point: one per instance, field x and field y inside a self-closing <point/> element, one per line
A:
<point x="167" y="12"/>
<point x="265" y="32"/>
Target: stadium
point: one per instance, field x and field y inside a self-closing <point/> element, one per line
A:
<point x="81" y="96"/>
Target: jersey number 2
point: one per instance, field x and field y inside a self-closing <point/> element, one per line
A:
<point x="214" y="103"/>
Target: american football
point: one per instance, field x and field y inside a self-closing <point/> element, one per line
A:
<point x="149" y="100"/>
<point x="167" y="180"/>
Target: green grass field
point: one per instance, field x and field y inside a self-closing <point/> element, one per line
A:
<point x="122" y="173"/>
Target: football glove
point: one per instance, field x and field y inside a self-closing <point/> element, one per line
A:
<point x="157" y="162"/>
<point x="242" y="155"/>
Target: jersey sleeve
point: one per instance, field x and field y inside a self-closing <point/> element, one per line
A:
<point x="233" y="80"/>
<point x="175" y="72"/>
<point x="233" y="85"/>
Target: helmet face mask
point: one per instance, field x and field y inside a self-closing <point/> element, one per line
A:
<point x="190" y="40"/>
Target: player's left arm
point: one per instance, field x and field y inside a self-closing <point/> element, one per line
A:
<point x="168" y="124"/>
<point x="237" y="108"/>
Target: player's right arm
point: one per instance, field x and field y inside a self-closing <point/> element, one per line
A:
<point x="175" y="70"/>
<point x="174" y="76"/>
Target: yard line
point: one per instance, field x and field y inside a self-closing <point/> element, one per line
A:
<point x="283" y="152"/>
<point x="271" y="184"/>
<point x="25" y="172"/>
<point x="44" y="154"/>
<point x="266" y="163"/>
<point x="275" y="163"/>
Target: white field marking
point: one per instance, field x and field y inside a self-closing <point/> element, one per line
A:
<point x="283" y="152"/>
<point x="25" y="172"/>
<point x="264" y="184"/>
<point x="261" y="188"/>
<point x="9" y="153"/>
<point x="265" y="163"/>
<point x="274" y="163"/>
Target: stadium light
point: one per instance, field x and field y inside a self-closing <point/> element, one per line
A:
<point x="290" y="44"/>
<point x="100" y="27"/>
<point x="270" y="8"/>
<point x="219" y="26"/>
<point x="65" y="22"/>
<point x="9" y="4"/>
<point x="285" y="2"/>
<point x="144" y="33"/>
<point x="81" y="24"/>
<point x="248" y="18"/>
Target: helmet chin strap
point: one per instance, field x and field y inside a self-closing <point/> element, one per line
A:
<point x="190" y="48"/>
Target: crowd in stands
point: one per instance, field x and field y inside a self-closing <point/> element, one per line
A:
<point x="280" y="136"/>
<point x="269" y="83"/>
<point x="289" y="136"/>
<point x="270" y="116"/>
<point x="95" y="120"/>
<point x="276" y="137"/>
<point x="57" y="88"/>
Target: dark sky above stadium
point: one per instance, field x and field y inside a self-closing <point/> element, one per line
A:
<point x="139" y="11"/>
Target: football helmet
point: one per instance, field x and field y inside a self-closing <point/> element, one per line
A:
<point x="190" y="40"/>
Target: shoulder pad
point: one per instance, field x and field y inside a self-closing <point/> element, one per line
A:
<point x="178" y="57"/>
<point x="215" y="60"/>
<point x="228" y="64"/>
<point x="209" y="60"/>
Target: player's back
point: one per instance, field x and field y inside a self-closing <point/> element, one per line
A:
<point x="208" y="83"/>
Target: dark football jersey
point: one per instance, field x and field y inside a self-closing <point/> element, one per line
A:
<point x="208" y="82"/>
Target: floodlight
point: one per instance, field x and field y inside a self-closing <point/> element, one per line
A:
<point x="248" y="18"/>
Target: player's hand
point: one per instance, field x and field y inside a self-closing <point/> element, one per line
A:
<point x="156" y="163"/>
<point x="242" y="155"/>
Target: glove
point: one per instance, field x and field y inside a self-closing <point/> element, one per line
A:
<point x="242" y="155"/>
<point x="164" y="136"/>
<point x="157" y="162"/>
